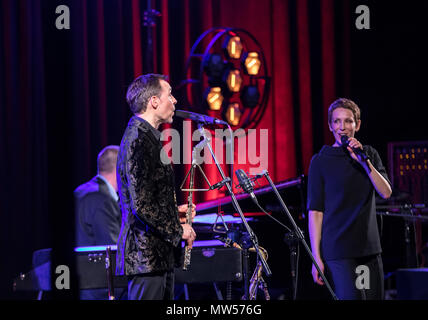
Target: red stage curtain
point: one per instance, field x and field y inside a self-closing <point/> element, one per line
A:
<point x="290" y="104"/>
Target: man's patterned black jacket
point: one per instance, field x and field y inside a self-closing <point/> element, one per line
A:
<point x="150" y="236"/>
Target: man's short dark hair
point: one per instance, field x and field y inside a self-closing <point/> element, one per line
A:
<point x="107" y="159"/>
<point x="346" y="104"/>
<point x="142" y="89"/>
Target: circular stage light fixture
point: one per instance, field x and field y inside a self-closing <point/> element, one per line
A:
<point x="227" y="77"/>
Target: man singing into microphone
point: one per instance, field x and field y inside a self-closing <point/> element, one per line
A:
<point x="149" y="244"/>
<point x="342" y="182"/>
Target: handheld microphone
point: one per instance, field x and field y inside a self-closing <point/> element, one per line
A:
<point x="201" y="118"/>
<point x="245" y="183"/>
<point x="345" y="142"/>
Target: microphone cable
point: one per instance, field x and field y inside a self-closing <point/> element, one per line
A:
<point x="270" y="216"/>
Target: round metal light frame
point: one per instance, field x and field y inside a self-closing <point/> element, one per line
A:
<point x="197" y="80"/>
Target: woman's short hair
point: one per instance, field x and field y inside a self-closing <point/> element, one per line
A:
<point x="346" y="104"/>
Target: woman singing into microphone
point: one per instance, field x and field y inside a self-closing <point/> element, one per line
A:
<point x="343" y="231"/>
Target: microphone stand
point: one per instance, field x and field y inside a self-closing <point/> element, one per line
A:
<point x="298" y="233"/>
<point x="292" y="242"/>
<point x="251" y="234"/>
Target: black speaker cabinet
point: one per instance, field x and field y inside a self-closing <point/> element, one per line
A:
<point x="212" y="264"/>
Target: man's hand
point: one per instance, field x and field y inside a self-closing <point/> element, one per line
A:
<point x="188" y="234"/>
<point x="182" y="210"/>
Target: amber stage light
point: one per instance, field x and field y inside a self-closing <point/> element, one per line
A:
<point x="215" y="98"/>
<point x="252" y="63"/>
<point x="233" y="114"/>
<point x="234" y="47"/>
<point x="234" y="80"/>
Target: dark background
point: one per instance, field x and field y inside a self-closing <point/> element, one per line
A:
<point x="62" y="99"/>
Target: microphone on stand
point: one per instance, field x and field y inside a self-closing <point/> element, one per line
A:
<point x="201" y="118"/>
<point x="245" y="183"/>
<point x="345" y="142"/>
